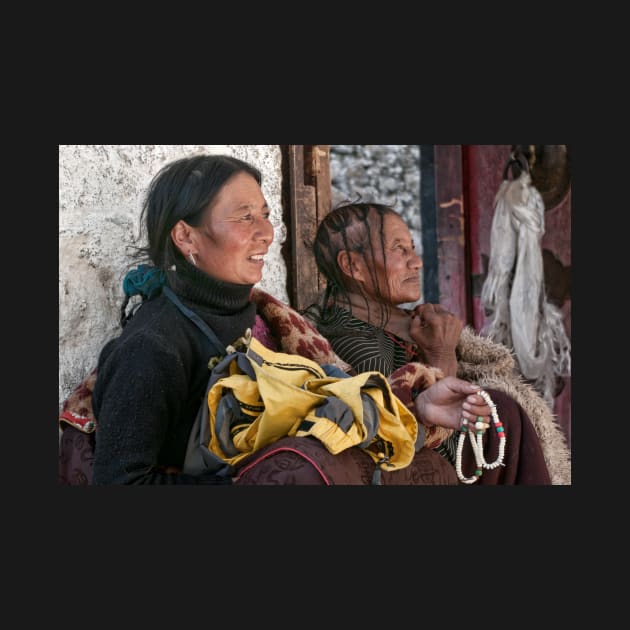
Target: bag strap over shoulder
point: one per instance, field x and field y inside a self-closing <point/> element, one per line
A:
<point x="198" y="458"/>
<point x="205" y="329"/>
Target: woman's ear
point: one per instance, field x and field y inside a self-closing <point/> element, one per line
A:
<point x="182" y="235"/>
<point x="349" y="266"/>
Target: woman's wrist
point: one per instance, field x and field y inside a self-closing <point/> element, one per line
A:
<point x="446" y="362"/>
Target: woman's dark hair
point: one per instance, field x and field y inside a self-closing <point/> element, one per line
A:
<point x="349" y="227"/>
<point x="183" y="189"/>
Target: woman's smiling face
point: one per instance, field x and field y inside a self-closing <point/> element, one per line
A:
<point x="235" y="233"/>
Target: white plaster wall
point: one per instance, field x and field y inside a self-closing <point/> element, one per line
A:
<point x="101" y="190"/>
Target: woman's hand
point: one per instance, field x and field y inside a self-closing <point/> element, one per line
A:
<point x="449" y="400"/>
<point x="436" y="332"/>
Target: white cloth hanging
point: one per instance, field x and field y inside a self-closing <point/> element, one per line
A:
<point x="518" y="314"/>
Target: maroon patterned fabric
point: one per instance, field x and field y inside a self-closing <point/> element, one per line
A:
<point x="76" y="457"/>
<point x="263" y="333"/>
<point x="305" y="461"/>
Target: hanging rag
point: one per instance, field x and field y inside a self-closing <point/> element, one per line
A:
<point x="518" y="314"/>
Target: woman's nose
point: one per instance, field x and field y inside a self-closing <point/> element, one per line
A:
<point x="265" y="230"/>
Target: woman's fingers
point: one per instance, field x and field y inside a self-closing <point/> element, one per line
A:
<point x="475" y="407"/>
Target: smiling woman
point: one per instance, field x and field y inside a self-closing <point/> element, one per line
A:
<point x="234" y="234"/>
<point x="207" y="225"/>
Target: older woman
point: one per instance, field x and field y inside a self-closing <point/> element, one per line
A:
<point x="366" y="253"/>
<point x="208" y="230"/>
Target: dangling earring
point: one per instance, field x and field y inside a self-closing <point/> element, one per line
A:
<point x="192" y="258"/>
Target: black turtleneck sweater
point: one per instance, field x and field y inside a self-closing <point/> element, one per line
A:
<point x="152" y="379"/>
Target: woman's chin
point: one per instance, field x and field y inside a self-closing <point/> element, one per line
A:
<point x="409" y="301"/>
<point x="408" y="297"/>
<point x="255" y="279"/>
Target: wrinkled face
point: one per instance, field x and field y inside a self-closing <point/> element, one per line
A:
<point x="235" y="233"/>
<point x="398" y="274"/>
